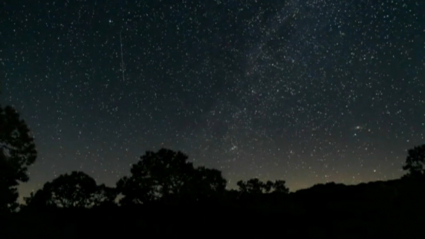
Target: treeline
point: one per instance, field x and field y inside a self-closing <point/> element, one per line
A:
<point x="164" y="176"/>
<point x="166" y="195"/>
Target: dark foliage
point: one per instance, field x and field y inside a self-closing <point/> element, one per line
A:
<point x="370" y="210"/>
<point x="76" y="190"/>
<point x="167" y="196"/>
<point x="168" y="176"/>
<point x="255" y="186"/>
<point x="17" y="153"/>
<point x="415" y="162"/>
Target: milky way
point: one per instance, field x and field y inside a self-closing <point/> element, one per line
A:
<point x="306" y="91"/>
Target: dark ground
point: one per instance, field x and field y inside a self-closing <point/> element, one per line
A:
<point x="391" y="209"/>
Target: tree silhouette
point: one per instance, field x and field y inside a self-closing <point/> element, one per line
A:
<point x="76" y="190"/>
<point x="415" y="161"/>
<point x="17" y="152"/>
<point x="204" y="184"/>
<point x="255" y="186"/>
<point x="279" y="187"/>
<point x="167" y="175"/>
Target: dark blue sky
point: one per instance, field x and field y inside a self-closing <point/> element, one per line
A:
<point x="305" y="91"/>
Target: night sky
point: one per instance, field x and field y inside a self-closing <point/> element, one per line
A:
<point x="308" y="91"/>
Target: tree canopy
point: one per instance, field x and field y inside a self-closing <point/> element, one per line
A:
<point x="168" y="174"/>
<point x="255" y="186"/>
<point x="204" y="183"/>
<point x="415" y="161"/>
<point x="75" y="190"/>
<point x="17" y="152"/>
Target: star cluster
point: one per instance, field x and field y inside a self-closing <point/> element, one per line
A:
<point x="306" y="91"/>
